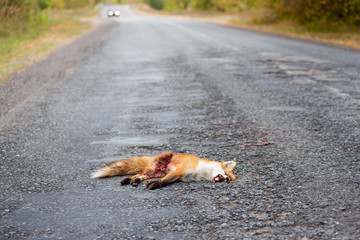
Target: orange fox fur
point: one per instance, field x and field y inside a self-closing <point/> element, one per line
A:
<point x="170" y="168"/>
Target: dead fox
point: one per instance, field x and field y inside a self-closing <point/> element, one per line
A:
<point x="170" y="168"/>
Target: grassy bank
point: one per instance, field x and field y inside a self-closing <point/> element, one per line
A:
<point x="20" y="48"/>
<point x="260" y="19"/>
<point x="349" y="37"/>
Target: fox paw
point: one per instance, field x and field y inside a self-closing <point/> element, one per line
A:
<point x="125" y="181"/>
<point x="135" y="181"/>
<point x="153" y="184"/>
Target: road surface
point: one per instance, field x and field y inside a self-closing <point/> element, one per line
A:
<point x="159" y="84"/>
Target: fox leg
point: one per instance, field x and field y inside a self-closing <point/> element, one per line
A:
<point x="138" y="178"/>
<point x="134" y="180"/>
<point x="170" y="178"/>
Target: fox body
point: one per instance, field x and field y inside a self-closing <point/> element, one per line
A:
<point x="170" y="168"/>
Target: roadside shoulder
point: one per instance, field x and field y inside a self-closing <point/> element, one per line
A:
<point x="61" y="63"/>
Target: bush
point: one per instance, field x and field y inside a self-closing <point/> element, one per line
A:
<point x="157" y="4"/>
<point x="233" y="5"/>
<point x="45" y="4"/>
<point x="19" y="16"/>
<point x="319" y="14"/>
<point x="170" y="5"/>
<point x="58" y="4"/>
<point x="76" y="3"/>
<point x="202" y="4"/>
<point x="316" y="14"/>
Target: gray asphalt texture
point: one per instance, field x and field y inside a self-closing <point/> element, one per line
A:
<point x="159" y="84"/>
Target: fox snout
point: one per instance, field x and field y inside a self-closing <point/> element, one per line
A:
<point x="220" y="178"/>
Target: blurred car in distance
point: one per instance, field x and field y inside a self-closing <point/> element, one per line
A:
<point x="113" y="13"/>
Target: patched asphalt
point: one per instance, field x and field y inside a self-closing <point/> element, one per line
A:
<point x="156" y="84"/>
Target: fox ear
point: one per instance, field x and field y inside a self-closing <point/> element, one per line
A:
<point x="230" y="165"/>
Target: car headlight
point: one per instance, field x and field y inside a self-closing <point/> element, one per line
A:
<point x="117" y="13"/>
<point x="110" y="13"/>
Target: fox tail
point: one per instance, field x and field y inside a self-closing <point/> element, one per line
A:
<point x="129" y="166"/>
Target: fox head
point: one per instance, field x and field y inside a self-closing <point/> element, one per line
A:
<point x="224" y="174"/>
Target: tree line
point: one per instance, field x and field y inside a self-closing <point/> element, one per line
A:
<point x="311" y="12"/>
<point x="17" y="16"/>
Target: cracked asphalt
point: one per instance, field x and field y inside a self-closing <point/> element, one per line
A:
<point x="157" y="84"/>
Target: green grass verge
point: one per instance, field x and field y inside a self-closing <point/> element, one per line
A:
<point x="17" y="50"/>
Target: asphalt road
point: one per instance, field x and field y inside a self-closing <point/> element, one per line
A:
<point x="157" y="84"/>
